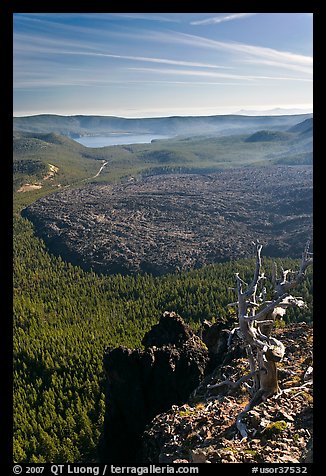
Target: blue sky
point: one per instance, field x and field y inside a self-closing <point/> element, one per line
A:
<point x="161" y="64"/>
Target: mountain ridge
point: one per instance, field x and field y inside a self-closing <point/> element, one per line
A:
<point x="303" y="127"/>
<point x="79" y="125"/>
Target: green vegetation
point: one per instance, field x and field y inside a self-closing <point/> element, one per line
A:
<point x="250" y="452"/>
<point x="64" y="317"/>
<point x="186" y="413"/>
<point x="267" y="136"/>
<point x="63" y="320"/>
<point x="74" y="126"/>
<point x="34" y="153"/>
<point x="33" y="156"/>
<point x="275" y="428"/>
<point x="200" y="154"/>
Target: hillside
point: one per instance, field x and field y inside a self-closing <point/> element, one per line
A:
<point x="304" y="127"/>
<point x="25" y="143"/>
<point x="76" y="126"/>
<point x="37" y="156"/>
<point x="170" y="414"/>
<point x="297" y="143"/>
<point x="65" y="316"/>
<point x="266" y="135"/>
<point x="203" y="429"/>
<point x="75" y="163"/>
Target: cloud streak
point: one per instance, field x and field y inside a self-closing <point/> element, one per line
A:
<point x="120" y="60"/>
<point x="217" y="20"/>
<point x="146" y="59"/>
<point x="186" y="72"/>
<point x="242" y="52"/>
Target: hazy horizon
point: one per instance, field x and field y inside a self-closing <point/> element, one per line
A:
<point x="270" y="112"/>
<point x="136" y="65"/>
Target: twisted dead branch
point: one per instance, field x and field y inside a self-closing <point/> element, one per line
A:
<point x="256" y="318"/>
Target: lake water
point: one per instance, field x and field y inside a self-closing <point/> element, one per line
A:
<point x="118" y="139"/>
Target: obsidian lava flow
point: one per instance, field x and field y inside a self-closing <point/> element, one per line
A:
<point x="174" y="222"/>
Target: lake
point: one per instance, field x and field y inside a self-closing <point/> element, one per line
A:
<point x="118" y="139"/>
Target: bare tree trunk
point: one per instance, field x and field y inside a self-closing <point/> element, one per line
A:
<point x="256" y="322"/>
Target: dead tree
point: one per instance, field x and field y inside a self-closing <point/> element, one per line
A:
<point x="289" y="279"/>
<point x="256" y="317"/>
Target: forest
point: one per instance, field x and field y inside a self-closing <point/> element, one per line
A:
<point x="65" y="317"/>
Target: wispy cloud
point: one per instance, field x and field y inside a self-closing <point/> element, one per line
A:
<point x="158" y="17"/>
<point x="146" y="59"/>
<point x="222" y="19"/>
<point x="132" y="60"/>
<point x="242" y="51"/>
<point x="278" y="64"/>
<point x="25" y="45"/>
<point x="187" y="72"/>
<point x="145" y="16"/>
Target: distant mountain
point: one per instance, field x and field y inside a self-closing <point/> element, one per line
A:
<point x="305" y="127"/>
<point x="273" y="112"/>
<point x="266" y="136"/>
<point x="76" y="126"/>
<point x="32" y="143"/>
<point x="188" y="153"/>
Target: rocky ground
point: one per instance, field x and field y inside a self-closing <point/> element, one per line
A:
<point x="160" y="408"/>
<point x="279" y="430"/>
<point x="144" y="383"/>
<point x="174" y="222"/>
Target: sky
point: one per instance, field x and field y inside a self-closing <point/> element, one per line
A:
<point x="161" y="64"/>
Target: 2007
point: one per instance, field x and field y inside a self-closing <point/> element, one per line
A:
<point x="34" y="469"/>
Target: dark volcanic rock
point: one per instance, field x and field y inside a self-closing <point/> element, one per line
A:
<point x="280" y="430"/>
<point x="142" y="384"/>
<point x="168" y="331"/>
<point x="174" y="222"/>
<point x="215" y="337"/>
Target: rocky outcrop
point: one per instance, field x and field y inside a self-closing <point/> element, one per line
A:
<point x="144" y="383"/>
<point x="280" y="430"/>
<point x="215" y="336"/>
<point x="159" y="408"/>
